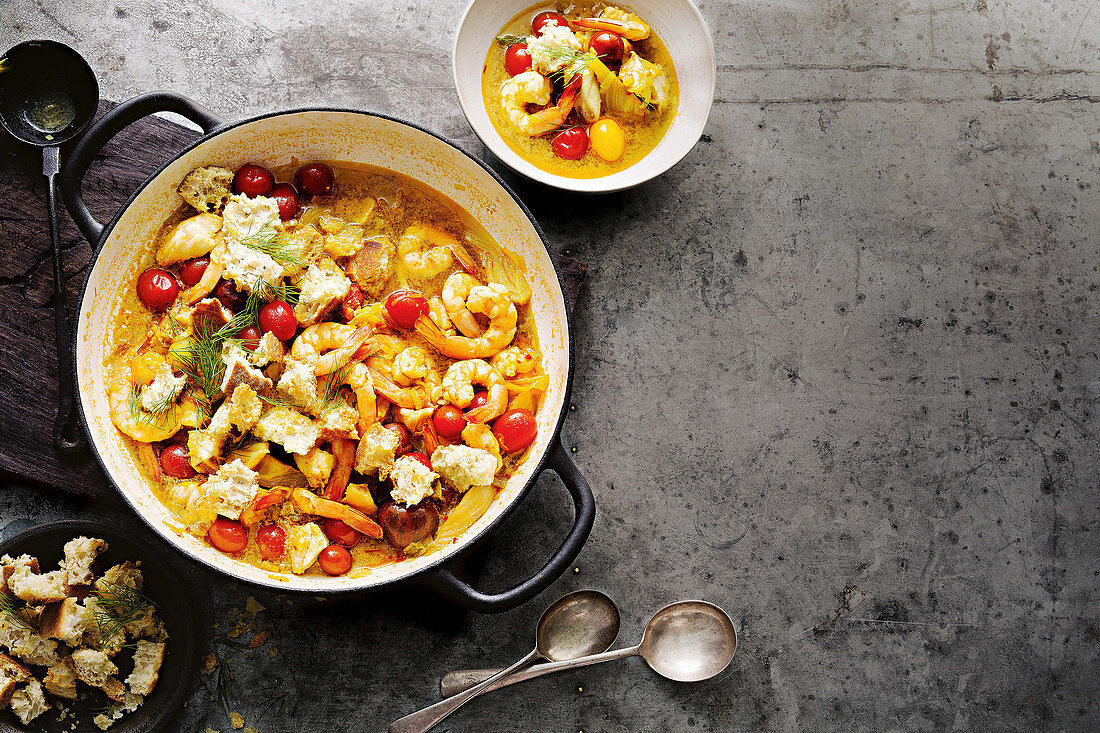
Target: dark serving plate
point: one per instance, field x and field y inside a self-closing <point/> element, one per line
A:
<point x="161" y="584"/>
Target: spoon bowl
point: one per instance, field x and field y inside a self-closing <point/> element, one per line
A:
<point x="48" y="93"/>
<point x="576" y="625"/>
<point x="689" y="641"/>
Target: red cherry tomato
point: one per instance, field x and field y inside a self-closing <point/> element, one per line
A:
<point x="405" y="306"/>
<point x="335" y="560"/>
<point x="314" y="179"/>
<point x="340" y="533"/>
<point x="515" y="430"/>
<point x="272" y="541"/>
<point x="175" y="462"/>
<point x="405" y="445"/>
<point x="192" y="270"/>
<point x="481" y="397"/>
<point x="253" y="180"/>
<point x="422" y="458"/>
<point x="287" y="197"/>
<point x="278" y="318"/>
<point x="352" y="301"/>
<point x="571" y="144"/>
<point x="250" y="337"/>
<point x="227" y="535"/>
<point x="449" y="421"/>
<point x="545" y="19"/>
<point x="157" y="289"/>
<point x="608" y="46"/>
<point x="226" y="293"/>
<point x="517" y="59"/>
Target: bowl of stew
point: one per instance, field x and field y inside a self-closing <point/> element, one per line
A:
<point x="588" y="96"/>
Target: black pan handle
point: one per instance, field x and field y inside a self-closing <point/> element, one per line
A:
<point x="444" y="582"/>
<point x="99" y="134"/>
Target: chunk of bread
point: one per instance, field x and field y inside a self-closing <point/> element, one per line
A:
<point x="231" y="489"/>
<point x="289" y="428"/>
<point x="60" y="680"/>
<point x="127" y="573"/>
<point x="377" y="451"/>
<point x="270" y="350"/>
<point x="37" y="589"/>
<point x="322" y="289"/>
<point x="241" y="410"/>
<point x="29" y="701"/>
<point x="12" y="674"/>
<point x="27" y="644"/>
<point x="239" y="371"/>
<point x="148" y="657"/>
<point x="80" y="553"/>
<point x="8" y="564"/>
<point x="208" y="188"/>
<point x="209" y="315"/>
<point x="463" y="466"/>
<point x="373" y="265"/>
<point x="63" y="620"/>
<point x="95" y="668"/>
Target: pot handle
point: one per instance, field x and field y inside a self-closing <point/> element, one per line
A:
<point x="100" y="133"/>
<point x="444" y="582"/>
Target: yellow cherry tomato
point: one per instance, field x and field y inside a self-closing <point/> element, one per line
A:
<point x="607" y="139"/>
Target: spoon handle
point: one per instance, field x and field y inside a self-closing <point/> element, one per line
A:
<point x="454" y="683"/>
<point x="425" y="719"/>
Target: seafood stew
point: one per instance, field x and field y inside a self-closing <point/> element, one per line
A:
<point x="582" y="93"/>
<point x="326" y="375"/>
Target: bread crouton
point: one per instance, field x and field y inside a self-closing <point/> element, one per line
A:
<point x="209" y="315"/>
<point x="339" y="420"/>
<point x="377" y="451"/>
<point x="373" y="265"/>
<point x="269" y="350"/>
<point x="303" y="247"/>
<point x="304" y="545"/>
<point x="208" y="188"/>
<point x="26" y="643"/>
<point x="8" y="564"/>
<point x="12" y="674"/>
<point x="298" y="385"/>
<point x="462" y="466"/>
<point x="60" y="680"/>
<point x="29" y="701"/>
<point x="239" y="371"/>
<point x="36" y="589"/>
<point x="322" y="289"/>
<point x="127" y="574"/>
<point x="94" y="668"/>
<point x="148" y="657"/>
<point x="80" y="553"/>
<point x="289" y="428"/>
<point x="240" y="410"/>
<point x="231" y="489"/>
<point x="63" y="620"/>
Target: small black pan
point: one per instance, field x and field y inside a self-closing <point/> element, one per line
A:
<point x="161" y="584"/>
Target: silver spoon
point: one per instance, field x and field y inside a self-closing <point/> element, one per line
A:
<point x="575" y="625"/>
<point x="688" y="641"/>
<point x="48" y="95"/>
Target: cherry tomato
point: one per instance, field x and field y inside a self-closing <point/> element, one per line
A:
<point x="571" y="144"/>
<point x="608" y="46"/>
<point x="157" y="289"/>
<point x="517" y="59"/>
<point x="278" y="318"/>
<point x="272" y="541"/>
<point x="192" y="270"/>
<point x="175" y="462"/>
<point x="287" y="197"/>
<point x="340" y="533"/>
<point x="250" y="337"/>
<point x="449" y="421"/>
<point x="545" y="19"/>
<point x="352" y="301"/>
<point x="253" y="180"/>
<point x="608" y="139"/>
<point x="227" y="294"/>
<point x="314" y="179"/>
<point x="423" y="459"/>
<point x="515" y="430"/>
<point x="405" y="306"/>
<point x="481" y="397"/>
<point x="402" y="526"/>
<point x="227" y="535"/>
<point x="335" y="560"/>
<point x="405" y="444"/>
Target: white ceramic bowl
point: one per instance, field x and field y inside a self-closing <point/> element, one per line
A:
<point x="681" y="28"/>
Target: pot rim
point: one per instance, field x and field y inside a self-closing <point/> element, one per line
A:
<point x="433" y="565"/>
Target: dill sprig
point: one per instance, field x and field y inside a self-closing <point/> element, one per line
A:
<point x="268" y="240"/>
<point x="226" y="688"/>
<point x="10" y="607"/>
<point x="331" y="397"/>
<point x="158" y="414"/>
<point x="506" y="39"/>
<point x="116" y="606"/>
<point x="575" y="62"/>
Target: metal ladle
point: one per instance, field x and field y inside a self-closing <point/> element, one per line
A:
<point x="48" y="95"/>
<point x="578" y="624"/>
<point x="688" y="641"/>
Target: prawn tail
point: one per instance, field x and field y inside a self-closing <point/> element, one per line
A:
<point x="482" y="414"/>
<point x="463" y="258"/>
<point x="429" y="331"/>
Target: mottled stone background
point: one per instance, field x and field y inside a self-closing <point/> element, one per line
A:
<point x="837" y="370"/>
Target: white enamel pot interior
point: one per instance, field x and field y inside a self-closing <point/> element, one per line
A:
<point x="681" y="28"/>
<point x="124" y="250"/>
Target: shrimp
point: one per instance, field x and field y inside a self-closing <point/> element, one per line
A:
<point x="410" y="398"/>
<point x="210" y="277"/>
<point x="489" y="300"/>
<point x="189" y="239"/>
<point x="458" y="388"/>
<point x="454" y="294"/>
<point x="358" y="377"/>
<point x="343" y="450"/>
<point x="626" y="24"/>
<point x="339" y="340"/>
<point x="130" y="418"/>
<point x="515" y="360"/>
<point x="437" y="310"/>
<point x="427" y="251"/>
<point x="414" y="419"/>
<point x="309" y="503"/>
<point x="411" y="365"/>
<point x="531" y="87"/>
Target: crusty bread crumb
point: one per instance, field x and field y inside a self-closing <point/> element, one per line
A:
<point x="12" y="674"/>
<point x="37" y="589"/>
<point x="28" y="645"/>
<point x="148" y="657"/>
<point x="80" y="553"/>
<point x="207" y="189"/>
<point x="62" y="620"/>
<point x="8" y="564"/>
<point x="29" y="702"/>
<point x="61" y="680"/>
<point x="94" y="668"/>
<point x="128" y="574"/>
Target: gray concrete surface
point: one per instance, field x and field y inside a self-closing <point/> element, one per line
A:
<point x="837" y="370"/>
